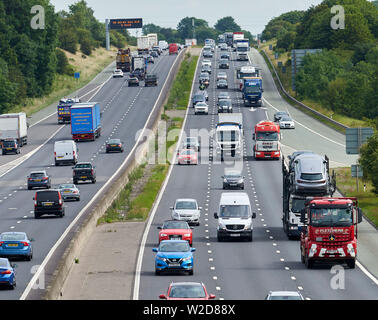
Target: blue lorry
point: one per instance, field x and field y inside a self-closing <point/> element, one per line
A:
<point x="64" y="109"/>
<point x="252" y="91"/>
<point x="85" y="121"/>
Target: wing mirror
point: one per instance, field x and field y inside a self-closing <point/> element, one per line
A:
<point x="253" y="136"/>
<point x="216" y="215"/>
<point x="171" y="208"/>
<point x="359" y="215"/>
<point x="154" y="250"/>
<point x="162" y="296"/>
<point x="212" y="296"/>
<point x="159" y="227"/>
<point x="254" y="215"/>
<point x="303" y="216"/>
<point x="192" y="249"/>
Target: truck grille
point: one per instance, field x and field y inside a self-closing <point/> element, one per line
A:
<point x="234" y="226"/>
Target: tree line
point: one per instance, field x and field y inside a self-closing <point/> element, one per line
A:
<point x="31" y="58"/>
<point x="201" y="30"/>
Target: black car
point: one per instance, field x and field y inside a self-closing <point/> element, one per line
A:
<point x="221" y="83"/>
<point x="225" y="105"/>
<point x="10" y="146"/>
<point x="233" y="179"/>
<point x="150" y="59"/>
<point x="204" y="76"/>
<point x="199" y="97"/>
<point x="48" y="202"/>
<point x="278" y="115"/>
<point x="114" y="145"/>
<point x="225" y="56"/>
<point x="150" y="80"/>
<point x="206" y="68"/>
<point x="84" y="171"/>
<point x="154" y="54"/>
<point x="224" y="64"/>
<point x="223" y="95"/>
<point x="39" y="179"/>
<point x="133" y="81"/>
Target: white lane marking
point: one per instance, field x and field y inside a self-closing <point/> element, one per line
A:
<point x="99" y="192"/>
<point x="364" y="270"/>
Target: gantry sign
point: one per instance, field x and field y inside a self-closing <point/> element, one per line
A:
<point x="133" y="23"/>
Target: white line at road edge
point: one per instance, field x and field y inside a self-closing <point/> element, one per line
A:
<point x="157" y="202"/>
<point x="72" y="224"/>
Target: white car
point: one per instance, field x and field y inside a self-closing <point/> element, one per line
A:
<point x="206" y="62"/>
<point x="201" y="107"/>
<point x="284" y="295"/>
<point x="286" y="122"/>
<point x="117" y="73"/>
<point x="186" y="210"/>
<point x="221" y="75"/>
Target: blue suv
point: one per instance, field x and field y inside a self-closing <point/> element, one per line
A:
<point x="174" y="255"/>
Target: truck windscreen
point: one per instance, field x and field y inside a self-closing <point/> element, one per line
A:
<point x="254" y="89"/>
<point x="331" y="217"/>
<point x="267" y="136"/>
<point x="297" y="205"/>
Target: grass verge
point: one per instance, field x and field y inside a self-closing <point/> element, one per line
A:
<point x="368" y="201"/>
<point x="150" y="178"/>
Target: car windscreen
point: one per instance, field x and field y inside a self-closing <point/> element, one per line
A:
<point x="232" y="176"/>
<point x="252" y="89"/>
<point x="187" y="152"/>
<point x="267" y="136"/>
<point x="199" y="97"/>
<point x="175" y="225"/>
<point x="47" y="196"/>
<point x="3" y="263"/>
<point x="66" y="186"/>
<point x="228" y="136"/>
<point x="114" y="141"/>
<point x="225" y="103"/>
<point x="8" y="144"/>
<point x="285" y="118"/>
<point x="191" y="205"/>
<point x="37" y="175"/>
<point x="170" y="246"/>
<point x="12" y="237"/>
<point x="187" y="291"/>
<point x="285" y="298"/>
<point x="83" y="166"/>
<point x="234" y="211"/>
<point x="331" y="217"/>
<point x="311" y="176"/>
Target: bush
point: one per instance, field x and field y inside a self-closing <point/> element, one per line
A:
<point x="68" y="40"/>
<point x="369" y="160"/>
<point x="62" y="62"/>
<point x="86" y="46"/>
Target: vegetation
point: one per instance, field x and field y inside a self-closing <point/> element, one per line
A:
<point x="369" y="161"/>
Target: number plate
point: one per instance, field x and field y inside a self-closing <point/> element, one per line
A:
<point x="174" y="264"/>
<point x="37" y="180"/>
<point x="47" y="204"/>
<point x="12" y="245"/>
<point x="9" y="148"/>
<point x="235" y="234"/>
<point x="83" y="177"/>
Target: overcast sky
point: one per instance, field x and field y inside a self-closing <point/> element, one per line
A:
<point x="251" y="15"/>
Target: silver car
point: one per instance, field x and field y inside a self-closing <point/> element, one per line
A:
<point x="222" y="75"/>
<point x="192" y="143"/>
<point x="187" y="210"/>
<point x="310" y="174"/>
<point x="286" y="122"/>
<point x="284" y="295"/>
<point x="69" y="191"/>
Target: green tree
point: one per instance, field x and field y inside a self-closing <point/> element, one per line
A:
<point x="369" y="160"/>
<point x="185" y="27"/>
<point x="227" y="24"/>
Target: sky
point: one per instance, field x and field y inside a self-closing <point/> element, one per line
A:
<point x="251" y="15"/>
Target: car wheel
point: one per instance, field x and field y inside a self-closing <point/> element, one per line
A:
<point x="351" y="264"/>
<point x="242" y="187"/>
<point x="28" y="257"/>
<point x="157" y="272"/>
<point x="36" y="216"/>
<point x="13" y="286"/>
<point x="191" y="272"/>
<point x="219" y="238"/>
<point x="29" y="188"/>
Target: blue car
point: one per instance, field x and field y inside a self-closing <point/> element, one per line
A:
<point x="174" y="255"/>
<point x="7" y="274"/>
<point x="15" y="244"/>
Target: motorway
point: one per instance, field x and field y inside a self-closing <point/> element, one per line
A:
<point x="248" y="270"/>
<point x="125" y="111"/>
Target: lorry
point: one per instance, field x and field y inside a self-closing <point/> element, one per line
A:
<point x="173" y="48"/>
<point x="242" y="49"/>
<point x="292" y="201"/>
<point x="330" y="230"/>
<point x="248" y="71"/>
<point x="85" y="121"/>
<point x="152" y="40"/>
<point x="163" y="45"/>
<point x="267" y="140"/>
<point x="235" y="37"/>
<point x="123" y="59"/>
<point x="190" y="42"/>
<point x="229" y="135"/>
<point x="252" y="91"/>
<point x="138" y="67"/>
<point x="14" y="126"/>
<point x="64" y="109"/>
<point x="229" y="38"/>
<point x="143" y="45"/>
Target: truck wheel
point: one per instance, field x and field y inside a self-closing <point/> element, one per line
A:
<point x="308" y="263"/>
<point x="219" y="238"/>
<point x="351" y="264"/>
<point x="302" y="257"/>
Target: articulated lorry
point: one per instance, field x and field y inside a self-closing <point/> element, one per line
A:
<point x="143" y="45"/>
<point x="242" y="49"/>
<point x="85" y="121"/>
<point x="139" y="67"/>
<point x="64" y="109"/>
<point x="252" y="91"/>
<point x="229" y="135"/>
<point x="152" y="40"/>
<point x="123" y="59"/>
<point x="329" y="233"/>
<point x="306" y="174"/>
<point x="14" y="126"/>
<point x="267" y="138"/>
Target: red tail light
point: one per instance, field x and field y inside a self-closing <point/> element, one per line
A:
<point x="45" y="178"/>
<point x="73" y="153"/>
<point x="25" y="244"/>
<point x="92" y="172"/>
<point x="1" y="243"/>
<point x="35" y="199"/>
<point x="6" y="272"/>
<point x="55" y="154"/>
<point x="60" y="199"/>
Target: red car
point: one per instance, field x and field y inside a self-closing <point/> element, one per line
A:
<point x="175" y="230"/>
<point x="187" y="291"/>
<point x="187" y="156"/>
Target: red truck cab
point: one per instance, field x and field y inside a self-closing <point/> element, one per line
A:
<point x="330" y="230"/>
<point x="173" y="48"/>
<point x="267" y="136"/>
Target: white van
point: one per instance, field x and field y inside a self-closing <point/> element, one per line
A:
<point x="235" y="216"/>
<point x="65" y="152"/>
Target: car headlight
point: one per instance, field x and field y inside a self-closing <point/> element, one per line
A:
<point x="163" y="235"/>
<point x="221" y="226"/>
<point x="186" y="234"/>
<point x="162" y="259"/>
<point x="225" y="180"/>
<point x="240" y="181"/>
<point x="187" y="258"/>
<point x="248" y="226"/>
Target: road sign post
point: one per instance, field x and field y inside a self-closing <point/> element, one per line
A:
<point x="357" y="172"/>
<point x="355" y="138"/>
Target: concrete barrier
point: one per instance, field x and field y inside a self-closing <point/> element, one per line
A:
<point x="85" y="226"/>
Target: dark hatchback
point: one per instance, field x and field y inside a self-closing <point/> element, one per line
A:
<point x="233" y="179"/>
<point x="84" y="171"/>
<point x="133" y="81"/>
<point x="10" y="146"/>
<point x="198" y="98"/>
<point x="48" y="202"/>
<point x="114" y="145"/>
<point x="39" y="179"/>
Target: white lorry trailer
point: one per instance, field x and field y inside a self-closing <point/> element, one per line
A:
<point x="14" y="126"/>
<point x="229" y="135"/>
<point x="143" y="45"/>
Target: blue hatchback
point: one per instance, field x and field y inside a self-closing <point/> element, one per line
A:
<point x="15" y="244"/>
<point x="174" y="255"/>
<point x="7" y="274"/>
